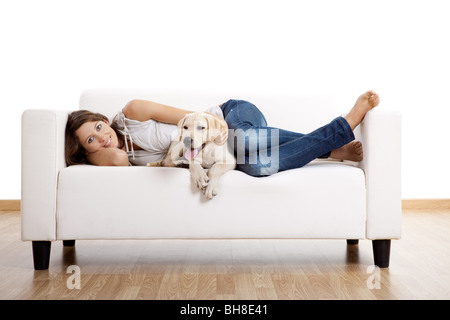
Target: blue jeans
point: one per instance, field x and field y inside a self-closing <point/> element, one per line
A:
<point x="262" y="151"/>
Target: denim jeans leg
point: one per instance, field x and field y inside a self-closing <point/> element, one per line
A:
<point x="300" y="152"/>
<point x="241" y="114"/>
<point x="262" y="150"/>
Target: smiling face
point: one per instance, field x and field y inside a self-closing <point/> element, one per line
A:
<point x="96" y="135"/>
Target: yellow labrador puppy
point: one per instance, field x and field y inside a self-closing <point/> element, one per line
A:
<point x="196" y="148"/>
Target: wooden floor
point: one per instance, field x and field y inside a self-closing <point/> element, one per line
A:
<point x="233" y="269"/>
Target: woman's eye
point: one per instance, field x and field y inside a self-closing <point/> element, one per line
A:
<point x="99" y="127"/>
<point x="90" y="139"/>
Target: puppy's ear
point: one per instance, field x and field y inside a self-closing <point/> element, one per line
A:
<point x="215" y="126"/>
<point x="180" y="126"/>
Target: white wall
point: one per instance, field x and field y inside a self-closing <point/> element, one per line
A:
<point x="52" y="50"/>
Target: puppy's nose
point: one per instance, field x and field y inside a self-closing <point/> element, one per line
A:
<point x="187" y="141"/>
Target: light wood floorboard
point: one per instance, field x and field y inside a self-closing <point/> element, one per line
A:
<point x="233" y="269"/>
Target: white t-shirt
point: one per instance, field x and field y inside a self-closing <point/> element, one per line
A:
<point x="152" y="136"/>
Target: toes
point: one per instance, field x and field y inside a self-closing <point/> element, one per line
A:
<point x="374" y="100"/>
<point x="377" y="100"/>
<point x="359" y="151"/>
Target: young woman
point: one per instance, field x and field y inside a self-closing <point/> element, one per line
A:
<point x="142" y="131"/>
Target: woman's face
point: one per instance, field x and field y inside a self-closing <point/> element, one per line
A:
<point x="96" y="135"/>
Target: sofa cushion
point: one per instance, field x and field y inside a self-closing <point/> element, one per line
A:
<point x="320" y="200"/>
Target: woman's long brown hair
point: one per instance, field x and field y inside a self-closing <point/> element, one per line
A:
<point x="74" y="152"/>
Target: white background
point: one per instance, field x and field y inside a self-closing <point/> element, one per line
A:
<point x="53" y="50"/>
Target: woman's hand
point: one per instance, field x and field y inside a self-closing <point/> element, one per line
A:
<point x="108" y="157"/>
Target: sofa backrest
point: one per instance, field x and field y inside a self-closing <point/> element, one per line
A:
<point x="301" y="113"/>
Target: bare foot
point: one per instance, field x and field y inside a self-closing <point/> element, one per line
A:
<point x="365" y="102"/>
<point x="352" y="151"/>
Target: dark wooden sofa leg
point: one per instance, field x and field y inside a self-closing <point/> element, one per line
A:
<point x="41" y="254"/>
<point x="68" y="243"/>
<point x="381" y="252"/>
<point x="352" y="241"/>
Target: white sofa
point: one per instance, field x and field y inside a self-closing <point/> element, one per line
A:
<point x="324" y="199"/>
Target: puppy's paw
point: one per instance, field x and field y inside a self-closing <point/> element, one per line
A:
<point x="200" y="179"/>
<point x="211" y="190"/>
<point x="181" y="163"/>
<point x="202" y="182"/>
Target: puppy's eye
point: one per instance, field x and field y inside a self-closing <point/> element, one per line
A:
<point x="185" y="127"/>
<point x="200" y="128"/>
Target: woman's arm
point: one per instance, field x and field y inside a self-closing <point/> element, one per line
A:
<point x="143" y="110"/>
<point x="108" y="157"/>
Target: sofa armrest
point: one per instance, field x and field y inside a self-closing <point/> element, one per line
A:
<point x="381" y="138"/>
<point x="42" y="158"/>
